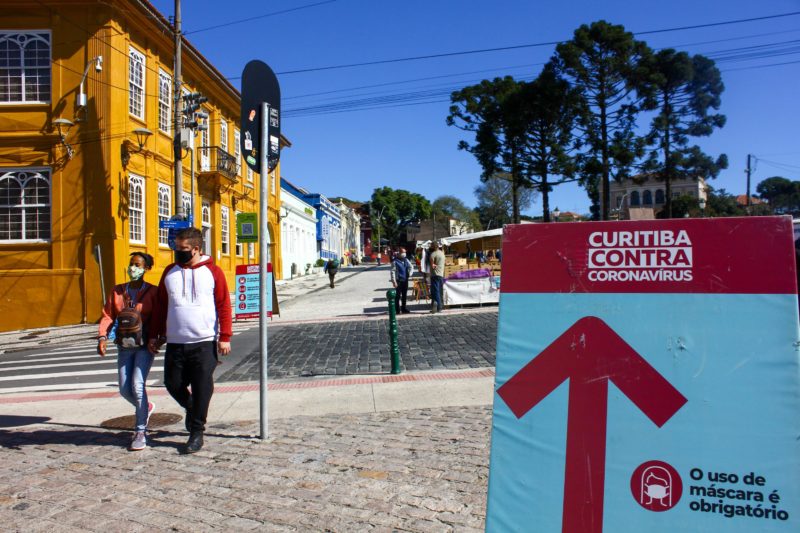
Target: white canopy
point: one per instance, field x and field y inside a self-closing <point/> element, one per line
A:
<point x="449" y="241"/>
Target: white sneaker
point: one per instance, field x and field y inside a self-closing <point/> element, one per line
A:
<point x="139" y="441"/>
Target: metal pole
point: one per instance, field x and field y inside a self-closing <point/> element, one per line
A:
<point x="99" y="255"/>
<point x="176" y="99"/>
<point x="263" y="247"/>
<point x="394" y="345"/>
<point x="747" y="202"/>
<point x="191" y="201"/>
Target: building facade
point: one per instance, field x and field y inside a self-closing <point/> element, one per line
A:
<point x="86" y="157"/>
<point x="350" y="234"/>
<point x="298" y="235"/>
<point x="649" y="192"/>
<point x="329" y="226"/>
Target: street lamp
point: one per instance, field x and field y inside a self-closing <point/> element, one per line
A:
<point x="621" y="205"/>
<point x="142" y="134"/>
<point x="702" y="202"/>
<point x="556" y="213"/>
<point x="63" y="125"/>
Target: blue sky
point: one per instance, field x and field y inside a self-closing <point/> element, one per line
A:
<point x="406" y="146"/>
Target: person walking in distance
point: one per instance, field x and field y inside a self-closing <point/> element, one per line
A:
<point x="331" y="267"/>
<point x="129" y="306"/>
<point x="401" y="271"/>
<point x="437" y="277"/>
<point x="193" y="316"/>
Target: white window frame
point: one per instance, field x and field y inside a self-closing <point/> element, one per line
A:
<point x="205" y="224"/>
<point x="136" y="214"/>
<point x="186" y="201"/>
<point x="225" y="230"/>
<point x="136" y="66"/>
<point x="272" y="181"/>
<point x="164" y="212"/>
<point x="164" y="101"/>
<point x="223" y="135"/>
<point x="205" y="153"/>
<point x="5" y="72"/>
<point x="238" y="246"/>
<point x="237" y="150"/>
<point x="249" y="174"/>
<point x="32" y="173"/>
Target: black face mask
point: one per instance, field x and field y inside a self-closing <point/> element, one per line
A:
<point x="183" y="256"/>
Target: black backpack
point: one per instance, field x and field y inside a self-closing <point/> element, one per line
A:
<point x="130" y="329"/>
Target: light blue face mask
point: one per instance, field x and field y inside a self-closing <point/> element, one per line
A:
<point x="135" y="272"/>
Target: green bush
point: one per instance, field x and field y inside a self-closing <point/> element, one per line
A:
<point x="319" y="262"/>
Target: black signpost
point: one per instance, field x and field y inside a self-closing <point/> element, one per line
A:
<point x="260" y="86"/>
<point x="261" y="148"/>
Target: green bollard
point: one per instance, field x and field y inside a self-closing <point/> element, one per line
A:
<point x="394" y="346"/>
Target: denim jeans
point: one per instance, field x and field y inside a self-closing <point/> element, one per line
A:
<point x="437" y="282"/>
<point x="134" y="366"/>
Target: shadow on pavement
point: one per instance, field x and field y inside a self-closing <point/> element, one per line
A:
<point x="12" y="421"/>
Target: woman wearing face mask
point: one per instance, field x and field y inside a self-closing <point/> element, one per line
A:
<point x="132" y="303"/>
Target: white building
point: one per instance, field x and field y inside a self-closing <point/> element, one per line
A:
<point x="350" y="233"/>
<point x="298" y="235"/>
<point x="647" y="192"/>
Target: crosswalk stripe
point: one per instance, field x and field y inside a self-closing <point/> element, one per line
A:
<point x="59" y="375"/>
<point x="80" y="363"/>
<point x="85" y="350"/>
<point x="70" y="358"/>
<point x="65" y="386"/>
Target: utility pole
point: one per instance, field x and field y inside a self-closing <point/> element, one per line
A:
<point x="176" y="134"/>
<point x="748" y="184"/>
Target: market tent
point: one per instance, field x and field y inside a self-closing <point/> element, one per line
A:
<point x="480" y="240"/>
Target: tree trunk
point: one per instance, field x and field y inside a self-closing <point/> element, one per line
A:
<point x="606" y="178"/>
<point x="667" y="164"/>
<point x="514" y="199"/>
<point x="545" y="198"/>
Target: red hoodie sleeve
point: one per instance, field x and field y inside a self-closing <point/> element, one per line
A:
<point x="222" y="300"/>
<point x="109" y="314"/>
<point x="158" y="318"/>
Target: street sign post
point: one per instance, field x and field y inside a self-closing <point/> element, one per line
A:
<point x="647" y="378"/>
<point x="260" y="126"/>
<point x="173" y="226"/>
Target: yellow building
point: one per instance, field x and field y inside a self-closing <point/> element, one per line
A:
<point x="82" y="185"/>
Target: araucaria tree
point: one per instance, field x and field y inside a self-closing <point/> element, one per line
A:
<point x="487" y="110"/>
<point x="683" y="90"/>
<point x="548" y="107"/>
<point x="601" y="62"/>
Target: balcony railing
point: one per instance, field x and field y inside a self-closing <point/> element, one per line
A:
<point x="215" y="159"/>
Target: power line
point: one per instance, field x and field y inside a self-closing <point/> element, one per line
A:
<point x="521" y="46"/>
<point x="249" y="19"/>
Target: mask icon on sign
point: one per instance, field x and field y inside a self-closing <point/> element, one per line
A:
<point x="656" y="485"/>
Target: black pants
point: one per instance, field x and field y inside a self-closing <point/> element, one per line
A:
<point x="332" y="274"/>
<point x="402" y="294"/>
<point x="191" y="364"/>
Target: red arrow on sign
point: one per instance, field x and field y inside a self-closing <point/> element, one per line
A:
<point x="589" y="354"/>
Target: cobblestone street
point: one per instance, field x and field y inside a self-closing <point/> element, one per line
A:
<point x="417" y="470"/>
<point x="445" y="341"/>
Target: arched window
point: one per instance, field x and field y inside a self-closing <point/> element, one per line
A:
<point x="647" y="198"/>
<point x="635" y="198"/>
<point x="25" y="62"/>
<point x="136" y="208"/>
<point x="659" y="196"/>
<point x="25" y="205"/>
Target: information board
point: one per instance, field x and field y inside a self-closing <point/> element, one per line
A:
<point x="247" y="291"/>
<point x="246" y="227"/>
<point x="647" y="378"/>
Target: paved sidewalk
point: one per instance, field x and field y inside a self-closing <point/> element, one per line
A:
<point x="379" y="453"/>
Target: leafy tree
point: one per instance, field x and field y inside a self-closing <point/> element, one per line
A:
<point x="487" y="110"/>
<point x="394" y="209"/>
<point x="451" y="207"/>
<point x="682" y="89"/>
<point x="548" y="108"/>
<point x="782" y="194"/>
<point x="495" y="203"/>
<point x="601" y="62"/>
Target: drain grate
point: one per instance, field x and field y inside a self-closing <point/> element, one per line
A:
<point x="158" y="420"/>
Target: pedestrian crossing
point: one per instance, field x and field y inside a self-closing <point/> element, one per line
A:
<point x="73" y="366"/>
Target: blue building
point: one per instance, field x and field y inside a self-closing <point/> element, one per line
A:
<point x="329" y="224"/>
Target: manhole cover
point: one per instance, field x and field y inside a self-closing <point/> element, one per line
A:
<point x="157" y="420"/>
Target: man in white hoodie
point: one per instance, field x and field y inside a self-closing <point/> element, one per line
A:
<point x="193" y="315"/>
